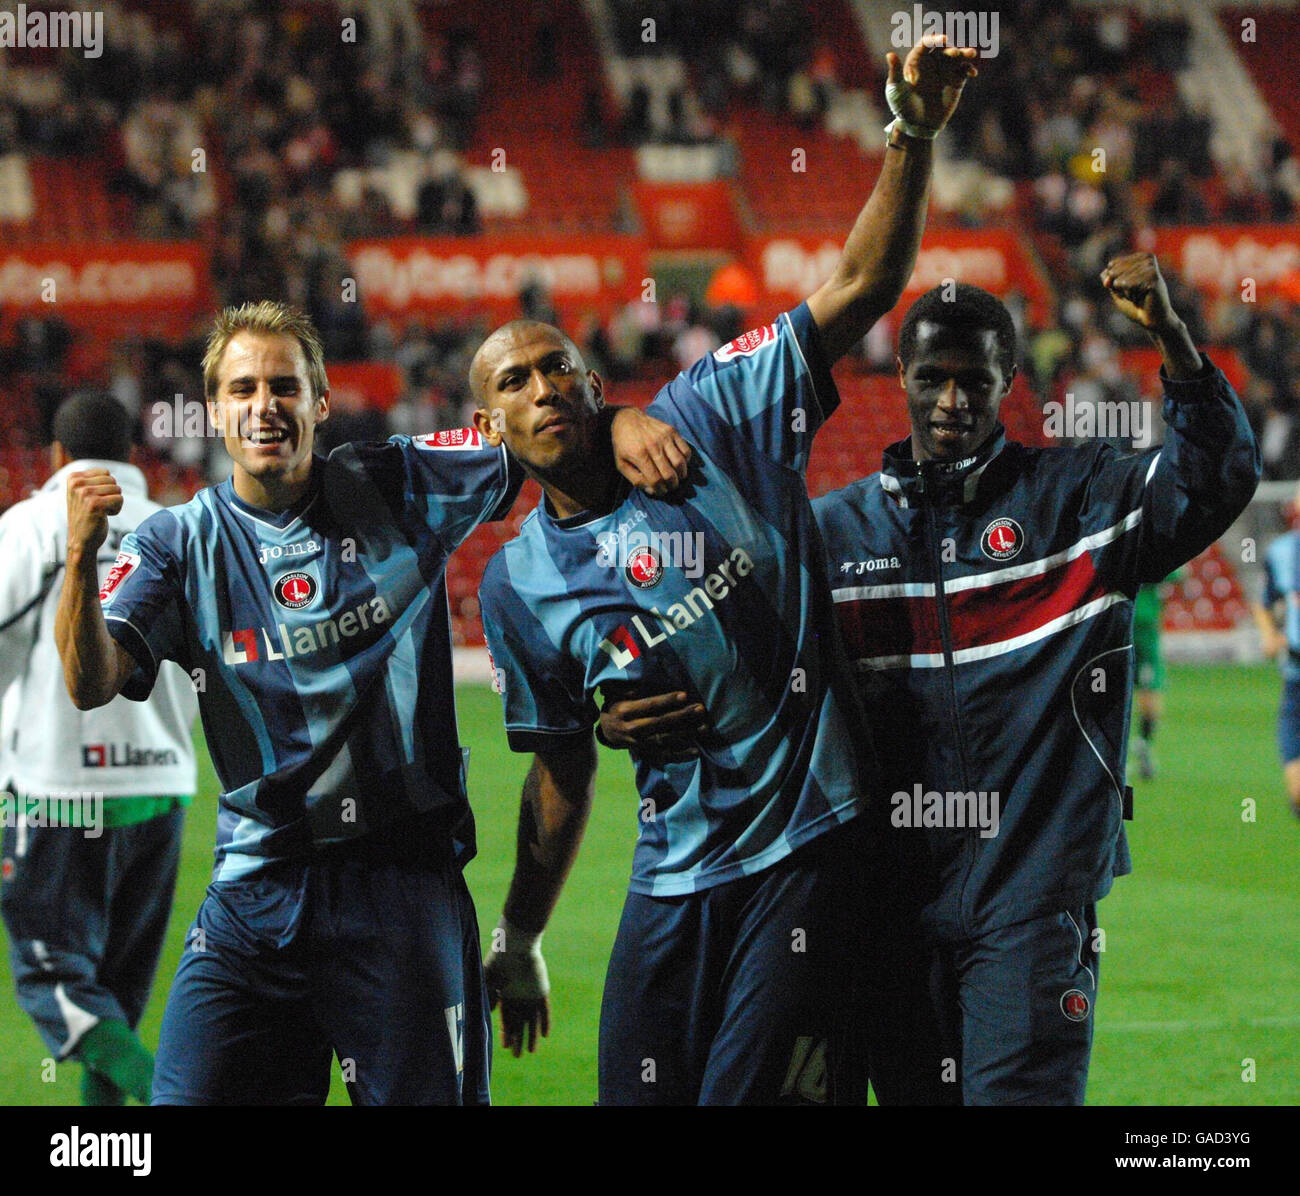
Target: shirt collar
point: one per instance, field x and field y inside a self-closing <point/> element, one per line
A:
<point x="582" y="518"/>
<point x="129" y="479"/>
<point x="906" y="479"/>
<point x="280" y="520"/>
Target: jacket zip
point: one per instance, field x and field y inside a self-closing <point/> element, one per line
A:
<point x="950" y="672"/>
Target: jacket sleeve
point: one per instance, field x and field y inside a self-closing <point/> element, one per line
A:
<point x="1158" y="510"/>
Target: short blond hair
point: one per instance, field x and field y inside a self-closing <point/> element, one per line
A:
<point x="271" y="318"/>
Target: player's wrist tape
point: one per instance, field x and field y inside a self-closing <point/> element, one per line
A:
<point x="895" y="94"/>
<point x="906" y="126"/>
<point x="520" y="968"/>
<point x="518" y="942"/>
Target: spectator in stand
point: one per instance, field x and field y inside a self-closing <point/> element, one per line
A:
<point x="445" y="205"/>
<point x="1284" y="180"/>
<point x="535" y="302"/>
<point x="1265" y="344"/>
<point x="592" y="132"/>
<point x="1245" y="199"/>
<point x="1280" y="441"/>
<point x="693" y="342"/>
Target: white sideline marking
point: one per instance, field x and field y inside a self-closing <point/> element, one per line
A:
<point x="1179" y="1027"/>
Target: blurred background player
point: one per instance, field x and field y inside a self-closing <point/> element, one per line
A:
<point x="1149" y="669"/>
<point x="309" y="591"/>
<point x="735" y="964"/>
<point x="1277" y="615"/>
<point x="86" y="907"/>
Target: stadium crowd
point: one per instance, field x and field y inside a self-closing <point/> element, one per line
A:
<point x="296" y="114"/>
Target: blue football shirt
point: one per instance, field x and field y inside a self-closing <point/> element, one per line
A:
<point x="719" y="591"/>
<point x="319" y="641"/>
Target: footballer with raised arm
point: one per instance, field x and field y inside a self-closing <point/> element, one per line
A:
<point x="734" y="957"/>
<point x="994" y="661"/>
<point x="305" y="597"/>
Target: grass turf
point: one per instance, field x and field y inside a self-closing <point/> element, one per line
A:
<point x="1197" y="980"/>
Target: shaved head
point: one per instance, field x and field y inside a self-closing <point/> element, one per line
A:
<point x="505" y="338"/>
<point x="534" y="394"/>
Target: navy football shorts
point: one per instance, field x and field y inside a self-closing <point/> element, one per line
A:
<point x="374" y="961"/>
<point x="1288" y="722"/>
<point x="741" y="993"/>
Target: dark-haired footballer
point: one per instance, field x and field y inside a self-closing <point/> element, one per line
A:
<point x="984" y="592"/>
<point x="734" y="960"/>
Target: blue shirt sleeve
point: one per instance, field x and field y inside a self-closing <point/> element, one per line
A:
<point x="772" y="385"/>
<point x="452" y="480"/>
<point x="460" y="480"/>
<point x="141" y="599"/>
<point x="541" y="687"/>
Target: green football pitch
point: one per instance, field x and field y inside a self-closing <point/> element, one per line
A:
<point x="1200" y="972"/>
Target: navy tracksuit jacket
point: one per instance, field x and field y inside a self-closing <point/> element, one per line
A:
<point x="987" y="607"/>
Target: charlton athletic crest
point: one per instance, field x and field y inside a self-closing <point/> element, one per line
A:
<point x="1075" y="1005"/>
<point x="644" y="569"/>
<point x="1002" y="540"/>
<point x="295" y="590"/>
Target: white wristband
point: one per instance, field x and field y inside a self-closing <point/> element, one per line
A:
<point x="918" y="131"/>
<point x="515" y="941"/>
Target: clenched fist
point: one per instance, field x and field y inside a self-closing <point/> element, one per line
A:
<point x="93" y="495"/>
<point x="1139" y="291"/>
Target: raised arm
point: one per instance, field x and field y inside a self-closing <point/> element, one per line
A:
<point x="880" y="252"/>
<point x="1183" y="497"/>
<point x="95" y="666"/>
<point x="1138" y="290"/>
<point x="552" y="817"/>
